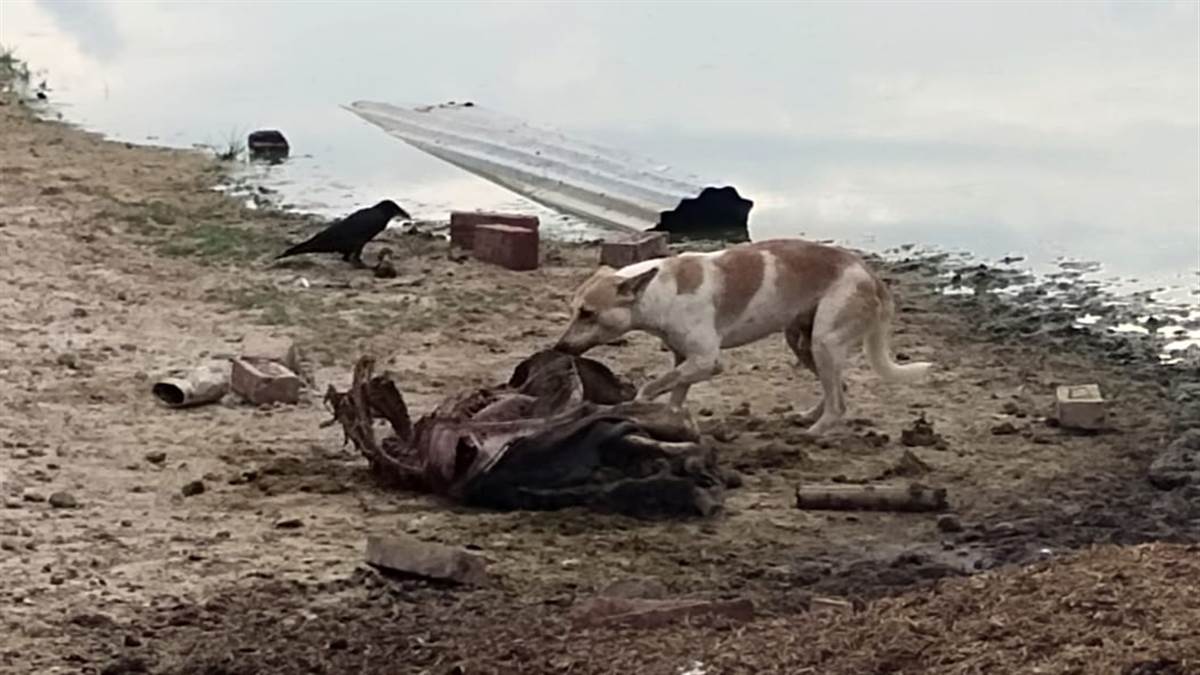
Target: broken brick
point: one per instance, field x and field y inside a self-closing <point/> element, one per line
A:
<point x="515" y="248"/>
<point x="262" y="381"/>
<point x="620" y="254"/>
<point x="463" y="224"/>
<point x="409" y="556"/>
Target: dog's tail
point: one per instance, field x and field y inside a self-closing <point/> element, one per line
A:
<point x="876" y="343"/>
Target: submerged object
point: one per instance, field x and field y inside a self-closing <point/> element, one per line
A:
<point x="268" y="144"/>
<point x="606" y="187"/>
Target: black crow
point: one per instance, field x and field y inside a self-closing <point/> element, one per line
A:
<point x="349" y="235"/>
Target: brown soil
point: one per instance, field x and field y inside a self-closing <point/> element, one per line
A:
<point x="120" y="262"/>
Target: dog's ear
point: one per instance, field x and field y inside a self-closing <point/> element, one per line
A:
<point x="633" y="286"/>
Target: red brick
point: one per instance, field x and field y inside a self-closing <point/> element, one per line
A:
<point x="463" y="224"/>
<point x="618" y="254"/>
<point x="407" y="555"/>
<point x="644" y="613"/>
<point x="513" y="247"/>
<point x="262" y="381"/>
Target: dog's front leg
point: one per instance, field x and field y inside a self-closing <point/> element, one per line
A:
<point x="694" y="368"/>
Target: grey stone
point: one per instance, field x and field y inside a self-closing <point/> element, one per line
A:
<point x="1179" y="463"/>
<point x="411" y="556"/>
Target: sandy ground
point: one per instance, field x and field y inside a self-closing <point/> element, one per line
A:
<point x="118" y="263"/>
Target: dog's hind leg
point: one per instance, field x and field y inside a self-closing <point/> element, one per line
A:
<point x="842" y="319"/>
<point x="798" y="335"/>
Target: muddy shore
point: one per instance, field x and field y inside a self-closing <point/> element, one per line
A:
<point x="119" y="262"/>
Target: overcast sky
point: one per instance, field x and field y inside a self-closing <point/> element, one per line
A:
<point x="1008" y="117"/>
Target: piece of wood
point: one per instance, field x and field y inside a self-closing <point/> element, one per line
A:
<point x="843" y="497"/>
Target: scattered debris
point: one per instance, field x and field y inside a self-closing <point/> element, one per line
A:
<point x="949" y="523"/>
<point x="921" y="434"/>
<point x="1004" y="429"/>
<point x="848" y="497"/>
<point x="198" y="386"/>
<point x="63" y="500"/>
<point x="651" y="613"/>
<point x="156" y="457"/>
<point x="907" y="466"/>
<point x="410" y="556"/>
<point x="564" y="431"/>
<point x="618" y="254"/>
<point x="193" y="488"/>
<point x="1080" y="407"/>
<point x="263" y="381"/>
<point x="289" y="523"/>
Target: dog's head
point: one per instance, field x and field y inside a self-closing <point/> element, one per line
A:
<point x="602" y="309"/>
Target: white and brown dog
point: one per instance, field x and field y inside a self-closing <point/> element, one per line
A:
<point x="823" y="299"/>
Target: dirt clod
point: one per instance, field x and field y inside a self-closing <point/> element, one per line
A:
<point x="63" y="500"/>
<point x="192" y="488"/>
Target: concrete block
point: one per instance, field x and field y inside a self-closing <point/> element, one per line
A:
<point x="406" y="555"/>
<point x="507" y="246"/>
<point x="1080" y="407"/>
<point x="262" y="381"/>
<point x="620" y="254"/>
<point x="463" y="224"/>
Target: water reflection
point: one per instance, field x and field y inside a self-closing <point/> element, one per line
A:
<point x="1047" y="130"/>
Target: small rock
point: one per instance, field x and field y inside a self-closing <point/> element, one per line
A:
<point x="411" y="556"/>
<point x="338" y="644"/>
<point x="132" y="641"/>
<point x="156" y="457"/>
<point x="742" y="410"/>
<point x="949" y="523"/>
<point x="289" y="524"/>
<point x="193" y="488"/>
<point x="63" y="500"/>
<point x="56" y="580"/>
<point x="126" y="523"/>
<point x="1004" y="429"/>
<point x="79" y="313"/>
<point x="68" y="360"/>
<point x="31" y="496"/>
<point x="921" y="434"/>
<point x="1010" y="408"/>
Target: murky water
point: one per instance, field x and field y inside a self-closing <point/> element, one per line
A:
<point x="1057" y="132"/>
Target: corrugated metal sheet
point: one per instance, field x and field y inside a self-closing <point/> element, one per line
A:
<point x="604" y="186"/>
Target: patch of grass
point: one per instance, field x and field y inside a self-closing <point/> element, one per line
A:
<point x="14" y="73"/>
<point x="221" y="242"/>
<point x="275" y="306"/>
<point x="230" y="149"/>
